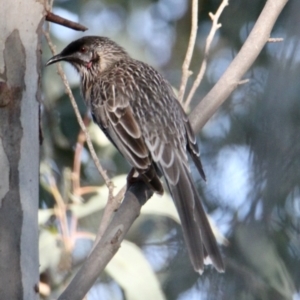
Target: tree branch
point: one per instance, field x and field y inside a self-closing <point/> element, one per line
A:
<point x="214" y="27"/>
<point x="240" y="65"/>
<point x="135" y="197"/>
<point x="51" y="17"/>
<point x="186" y="73"/>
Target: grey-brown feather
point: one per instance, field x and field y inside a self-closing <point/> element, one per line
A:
<point x="137" y="109"/>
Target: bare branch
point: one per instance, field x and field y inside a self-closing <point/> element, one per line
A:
<point x="240" y="65"/>
<point x="51" y="17"/>
<point x="81" y="139"/>
<point x="186" y="73"/>
<point x="105" y="249"/>
<point x="215" y="26"/>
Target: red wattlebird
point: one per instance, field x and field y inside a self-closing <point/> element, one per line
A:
<point x="138" y="111"/>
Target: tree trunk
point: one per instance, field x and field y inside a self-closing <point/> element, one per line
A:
<point x="20" y="38"/>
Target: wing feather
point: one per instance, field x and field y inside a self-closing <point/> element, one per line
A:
<point x="120" y="125"/>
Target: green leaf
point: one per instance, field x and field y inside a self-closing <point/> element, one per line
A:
<point x="132" y="272"/>
<point x="49" y="251"/>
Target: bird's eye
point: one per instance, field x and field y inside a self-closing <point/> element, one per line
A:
<point x="82" y="49"/>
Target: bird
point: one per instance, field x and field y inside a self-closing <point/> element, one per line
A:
<point x="137" y="109"/>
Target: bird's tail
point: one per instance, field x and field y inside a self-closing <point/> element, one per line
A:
<point x="197" y="232"/>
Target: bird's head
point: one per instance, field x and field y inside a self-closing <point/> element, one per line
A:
<point x="91" y="54"/>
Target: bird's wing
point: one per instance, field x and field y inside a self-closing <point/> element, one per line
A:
<point x="116" y="119"/>
<point x="192" y="145"/>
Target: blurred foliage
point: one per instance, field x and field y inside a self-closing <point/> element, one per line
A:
<point x="250" y="151"/>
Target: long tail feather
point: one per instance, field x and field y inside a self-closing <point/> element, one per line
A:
<point x="198" y="234"/>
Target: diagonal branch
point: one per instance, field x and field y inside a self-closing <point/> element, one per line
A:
<point x="214" y="27"/>
<point x="239" y="66"/>
<point x="186" y="73"/>
<point x="135" y="197"/>
<point x="51" y="17"/>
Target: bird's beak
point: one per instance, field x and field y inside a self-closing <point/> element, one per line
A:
<point x="56" y="59"/>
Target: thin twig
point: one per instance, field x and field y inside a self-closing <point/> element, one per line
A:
<point x="51" y="17"/>
<point x="258" y="36"/>
<point x="60" y="204"/>
<point x="186" y="73"/>
<point x="103" y="173"/>
<point x="215" y="26"/>
<point x="275" y="40"/>
<point x="77" y="162"/>
<point x="60" y="212"/>
<point x="83" y="190"/>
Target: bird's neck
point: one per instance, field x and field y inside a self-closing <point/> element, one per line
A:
<point x="86" y="84"/>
